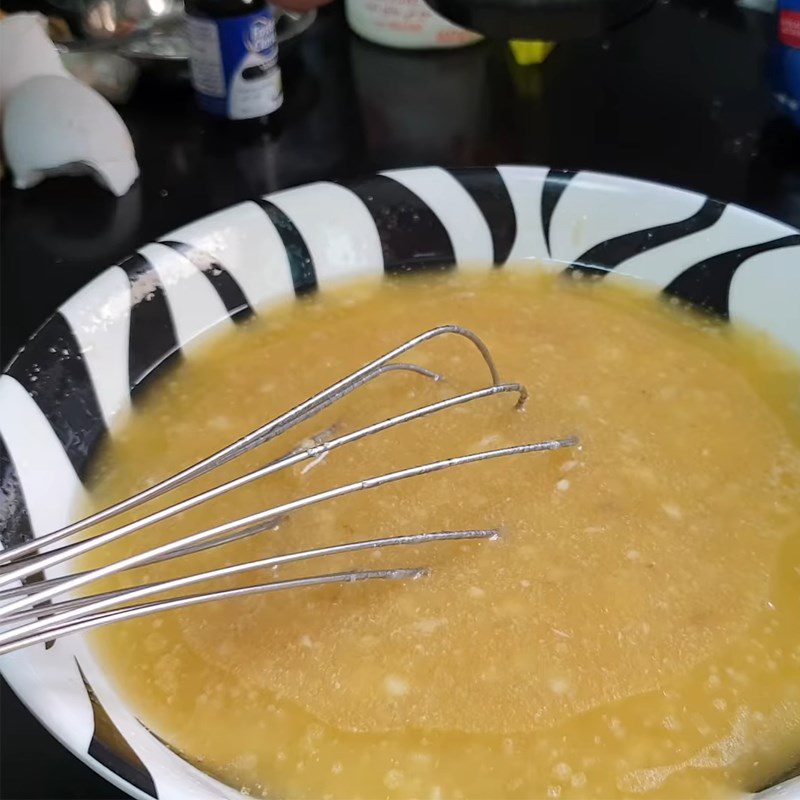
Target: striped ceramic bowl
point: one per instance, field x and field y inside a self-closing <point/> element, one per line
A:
<point x="61" y="393"/>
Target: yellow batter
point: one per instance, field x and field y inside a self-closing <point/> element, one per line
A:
<point x="635" y="631"/>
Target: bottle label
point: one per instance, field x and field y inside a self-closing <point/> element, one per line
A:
<point x="789" y="27"/>
<point x="784" y="61"/>
<point x="234" y="64"/>
<point x="406" y="23"/>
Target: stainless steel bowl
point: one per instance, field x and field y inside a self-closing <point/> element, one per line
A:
<point x="149" y="32"/>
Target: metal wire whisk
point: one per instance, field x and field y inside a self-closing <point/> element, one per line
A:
<point x="28" y="614"/>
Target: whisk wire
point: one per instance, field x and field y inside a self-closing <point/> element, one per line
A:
<point x="30" y="615"/>
<point x="69" y="609"/>
<point x="294" y="505"/>
<point x="263" y="434"/>
<point x="118" y="615"/>
<point x="51" y="558"/>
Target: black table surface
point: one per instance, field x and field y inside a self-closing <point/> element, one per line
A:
<point x="677" y="96"/>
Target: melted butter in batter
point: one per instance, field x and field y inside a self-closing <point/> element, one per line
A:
<point x="635" y="631"/>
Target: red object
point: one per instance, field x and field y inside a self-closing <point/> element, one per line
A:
<point x="789" y="28"/>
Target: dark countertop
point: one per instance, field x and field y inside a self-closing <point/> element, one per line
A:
<point x="677" y="96"/>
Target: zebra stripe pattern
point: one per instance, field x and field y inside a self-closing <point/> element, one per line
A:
<point x="61" y="394"/>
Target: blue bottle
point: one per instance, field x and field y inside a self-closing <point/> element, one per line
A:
<point x="785" y="59"/>
<point x="233" y="56"/>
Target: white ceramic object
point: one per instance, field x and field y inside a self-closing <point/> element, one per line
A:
<point x="54" y="125"/>
<point x="25" y="52"/>
<point x="84" y="366"/>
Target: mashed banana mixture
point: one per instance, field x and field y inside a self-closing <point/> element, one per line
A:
<point x="633" y="632"/>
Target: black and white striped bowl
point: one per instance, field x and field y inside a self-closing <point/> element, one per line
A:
<point x="61" y="393"/>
